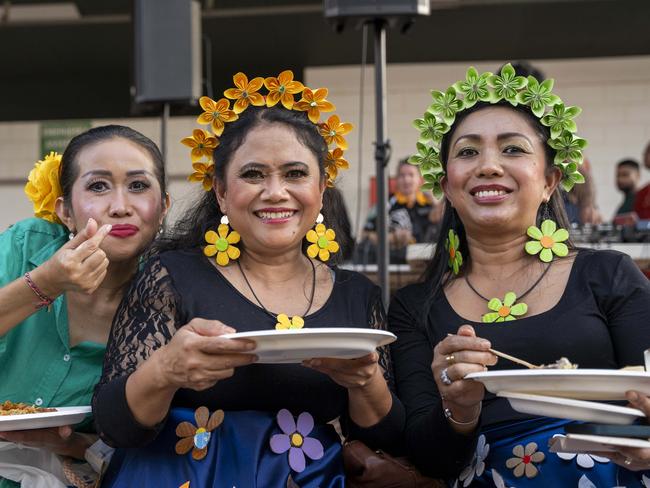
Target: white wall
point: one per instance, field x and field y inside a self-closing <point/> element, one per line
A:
<point x="614" y="94"/>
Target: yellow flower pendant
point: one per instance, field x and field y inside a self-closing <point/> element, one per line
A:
<point x="285" y="323"/>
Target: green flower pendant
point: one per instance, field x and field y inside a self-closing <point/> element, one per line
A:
<point x="504" y="311"/>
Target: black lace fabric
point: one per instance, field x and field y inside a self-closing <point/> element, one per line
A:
<point x="377" y="320"/>
<point x="175" y="287"/>
<point x="145" y="320"/>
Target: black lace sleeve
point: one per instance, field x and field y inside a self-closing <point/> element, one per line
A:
<point x="146" y="320"/>
<point x="377" y="320"/>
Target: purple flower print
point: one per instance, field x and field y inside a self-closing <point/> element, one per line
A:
<point x="294" y="439"/>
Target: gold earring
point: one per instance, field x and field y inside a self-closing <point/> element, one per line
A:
<point x="322" y="240"/>
<point x="222" y="243"/>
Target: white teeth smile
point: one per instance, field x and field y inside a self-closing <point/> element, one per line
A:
<point x="489" y="193"/>
<point x="274" y="215"/>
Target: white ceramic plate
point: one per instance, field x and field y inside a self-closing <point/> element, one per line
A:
<point x="581" y="443"/>
<point x="62" y="416"/>
<point x="580" y="384"/>
<point x="565" y="408"/>
<point x="296" y="345"/>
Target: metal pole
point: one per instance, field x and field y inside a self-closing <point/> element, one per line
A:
<point x="163" y="131"/>
<point x="381" y="158"/>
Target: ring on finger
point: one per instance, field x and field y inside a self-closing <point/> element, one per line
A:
<point x="450" y="359"/>
<point x="627" y="461"/>
<point x="444" y="377"/>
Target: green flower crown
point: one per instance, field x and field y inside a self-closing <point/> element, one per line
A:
<point x="491" y="88"/>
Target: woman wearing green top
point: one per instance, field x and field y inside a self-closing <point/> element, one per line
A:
<point x="63" y="274"/>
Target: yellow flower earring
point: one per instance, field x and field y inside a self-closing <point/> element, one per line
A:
<point x="222" y="243"/>
<point x="322" y="241"/>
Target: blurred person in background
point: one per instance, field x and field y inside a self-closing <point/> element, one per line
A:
<point x="642" y="200"/>
<point x="413" y="215"/>
<point x="628" y="176"/>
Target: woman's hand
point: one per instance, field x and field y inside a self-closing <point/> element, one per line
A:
<point x="197" y="356"/>
<point x="453" y="358"/>
<point x="349" y="373"/>
<point x="79" y="265"/>
<point x="369" y="399"/>
<point x="60" y="440"/>
<point x="635" y="459"/>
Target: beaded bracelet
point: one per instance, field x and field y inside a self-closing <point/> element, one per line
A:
<point x="450" y="417"/>
<point x="44" y="300"/>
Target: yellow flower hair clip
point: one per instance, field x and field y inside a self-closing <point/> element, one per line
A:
<point x="203" y="173"/>
<point x="44" y="187"/>
<point x="283" y="91"/>
<point x="202" y="143"/>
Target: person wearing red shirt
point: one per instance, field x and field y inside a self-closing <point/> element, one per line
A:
<point x="642" y="200"/>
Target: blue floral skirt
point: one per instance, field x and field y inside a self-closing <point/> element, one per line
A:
<point x="244" y="449"/>
<point x="517" y="455"/>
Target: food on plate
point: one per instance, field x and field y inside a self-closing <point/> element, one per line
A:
<point x="562" y="363"/>
<point x="11" y="408"/>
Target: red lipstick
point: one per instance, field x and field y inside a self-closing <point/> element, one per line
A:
<point x="123" y="230"/>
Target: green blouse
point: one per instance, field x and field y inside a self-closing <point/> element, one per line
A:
<point x="37" y="364"/>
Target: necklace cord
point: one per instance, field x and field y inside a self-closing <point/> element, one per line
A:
<point x="519" y="297"/>
<point x="311" y="297"/>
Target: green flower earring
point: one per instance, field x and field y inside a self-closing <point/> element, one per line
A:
<point x="547" y="241"/>
<point x="452" y="244"/>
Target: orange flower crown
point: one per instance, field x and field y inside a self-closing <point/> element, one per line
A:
<point x="280" y="90"/>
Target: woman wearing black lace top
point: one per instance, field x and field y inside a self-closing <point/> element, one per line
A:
<point x="264" y="424"/>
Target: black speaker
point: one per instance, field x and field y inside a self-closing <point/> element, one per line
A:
<point x="376" y="8"/>
<point x="167" y="50"/>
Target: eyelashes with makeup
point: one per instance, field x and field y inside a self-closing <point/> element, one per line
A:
<point x="510" y="149"/>
<point x="292" y="174"/>
<point x="100" y="186"/>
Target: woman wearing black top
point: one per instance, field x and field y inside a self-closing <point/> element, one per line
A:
<point x="500" y="180"/>
<point x="260" y="424"/>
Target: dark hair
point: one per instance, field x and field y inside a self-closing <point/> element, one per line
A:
<point x="437" y="272"/>
<point x="403" y="162"/>
<point x="188" y="232"/>
<point x="70" y="166"/>
<point x="629" y="163"/>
